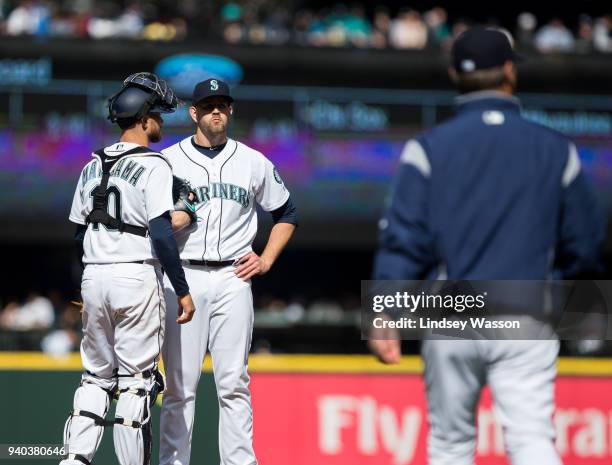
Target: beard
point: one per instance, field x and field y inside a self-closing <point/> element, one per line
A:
<point x="216" y="128"/>
<point x="155" y="136"/>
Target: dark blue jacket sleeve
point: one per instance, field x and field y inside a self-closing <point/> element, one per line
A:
<point x="79" y="237"/>
<point x="164" y="244"/>
<point x="405" y="243"/>
<point x="582" y="231"/>
<point x="285" y="214"/>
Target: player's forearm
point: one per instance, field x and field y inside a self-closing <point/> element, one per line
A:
<point x="279" y="238"/>
<point x="167" y="253"/>
<point x="79" y="238"/>
<point x="180" y="220"/>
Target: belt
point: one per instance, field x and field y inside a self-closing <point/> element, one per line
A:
<point x="141" y="262"/>
<point x="146" y="262"/>
<point x="209" y="263"/>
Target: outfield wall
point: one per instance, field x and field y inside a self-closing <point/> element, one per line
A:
<point x="317" y="409"/>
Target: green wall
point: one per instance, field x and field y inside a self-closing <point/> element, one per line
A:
<point x="36" y="404"/>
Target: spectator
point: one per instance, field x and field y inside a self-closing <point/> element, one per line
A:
<point x="584" y="41"/>
<point x="459" y="27"/>
<point x="36" y="313"/>
<point x="317" y="30"/>
<point x="602" y="34"/>
<point x="231" y="16"/>
<point x="196" y="19"/>
<point x="358" y="27"/>
<point x="408" y="31"/>
<point x="65" y="339"/>
<point x="380" y="31"/>
<point x="301" y="25"/>
<point x="276" y="26"/>
<point x="63" y="23"/>
<point x="526" y="25"/>
<point x="323" y="311"/>
<point x="254" y="31"/>
<point x="174" y="30"/>
<point x="231" y="12"/>
<point x="554" y="37"/>
<point x="101" y="25"/>
<point x="4" y="11"/>
<point x="336" y="33"/>
<point x="436" y="20"/>
<point x="126" y="24"/>
<point x="295" y="311"/>
<point x="7" y="315"/>
<point x="129" y="24"/>
<point x="29" y="18"/>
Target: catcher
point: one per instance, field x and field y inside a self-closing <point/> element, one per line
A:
<point x="122" y="207"/>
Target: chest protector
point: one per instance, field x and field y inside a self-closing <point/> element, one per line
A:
<point x="99" y="214"/>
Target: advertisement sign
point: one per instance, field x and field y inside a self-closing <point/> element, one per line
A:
<point x="381" y="419"/>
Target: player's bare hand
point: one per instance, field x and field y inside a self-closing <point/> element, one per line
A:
<point x="388" y="351"/>
<point x="186" y="309"/>
<point x="180" y="220"/>
<point x="385" y="344"/>
<point x="250" y="265"/>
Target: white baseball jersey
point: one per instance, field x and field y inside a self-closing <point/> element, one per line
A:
<point x="139" y="189"/>
<point x="227" y="188"/>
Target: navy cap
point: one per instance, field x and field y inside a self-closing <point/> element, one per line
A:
<point x="211" y="88"/>
<point x="482" y="48"/>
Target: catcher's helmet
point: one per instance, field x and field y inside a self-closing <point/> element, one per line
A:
<point x="141" y="93"/>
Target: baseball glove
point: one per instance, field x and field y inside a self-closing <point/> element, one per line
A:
<point x="184" y="197"/>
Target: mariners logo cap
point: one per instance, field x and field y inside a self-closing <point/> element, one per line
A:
<point x="211" y="88"/>
<point x="482" y="48"/>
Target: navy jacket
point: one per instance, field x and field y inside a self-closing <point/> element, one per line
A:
<point x="489" y="195"/>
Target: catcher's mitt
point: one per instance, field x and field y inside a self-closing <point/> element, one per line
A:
<point x="184" y="197"/>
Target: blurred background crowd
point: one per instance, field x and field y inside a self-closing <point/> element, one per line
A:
<point x="49" y="322"/>
<point x="277" y="22"/>
<point x="41" y="322"/>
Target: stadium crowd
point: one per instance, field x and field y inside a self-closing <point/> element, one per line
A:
<point x="40" y="322"/>
<point x="275" y="22"/>
<point x="48" y="322"/>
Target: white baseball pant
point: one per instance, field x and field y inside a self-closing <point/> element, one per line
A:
<point x="223" y="323"/>
<point x="123" y="332"/>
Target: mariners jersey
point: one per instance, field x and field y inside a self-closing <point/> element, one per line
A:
<point x="139" y="189"/>
<point x="227" y="188"/>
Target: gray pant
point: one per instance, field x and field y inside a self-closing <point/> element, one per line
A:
<point x="521" y="375"/>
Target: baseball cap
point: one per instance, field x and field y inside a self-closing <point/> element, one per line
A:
<point x="482" y="48"/>
<point x="211" y="88"/>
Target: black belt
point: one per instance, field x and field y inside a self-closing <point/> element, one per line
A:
<point x="210" y="263"/>
<point x="141" y="262"/>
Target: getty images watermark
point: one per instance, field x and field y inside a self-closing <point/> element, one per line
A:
<point x="575" y="310"/>
<point x="453" y="303"/>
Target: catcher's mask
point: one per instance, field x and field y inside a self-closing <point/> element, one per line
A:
<point x="141" y="93"/>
